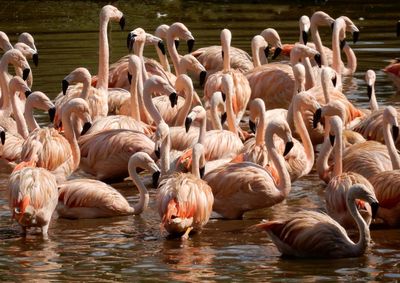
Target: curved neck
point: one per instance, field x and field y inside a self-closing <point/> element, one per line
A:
<point x="149" y="106"/>
<point x="351" y="59"/>
<point x="394" y="157"/>
<point x="365" y="237"/>
<point x="69" y="134"/>
<point x="29" y="118"/>
<point x="29" y="80"/>
<point x="173" y="52"/>
<point x="85" y="88"/>
<point x="165" y="150"/>
<point x="305" y="137"/>
<point x="184" y="111"/>
<point x="284" y="184"/>
<point x="322" y="160"/>
<point x="19" y="117"/>
<point x="318" y="43"/>
<point x="102" y="75"/>
<point x="144" y="194"/>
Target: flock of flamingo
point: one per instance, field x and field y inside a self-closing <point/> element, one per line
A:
<point x="136" y="114"/>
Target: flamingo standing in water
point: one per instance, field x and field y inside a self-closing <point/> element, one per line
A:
<point x="85" y="198"/>
<point x="314" y="234"/>
<point x="184" y="200"/>
<point x="230" y="183"/>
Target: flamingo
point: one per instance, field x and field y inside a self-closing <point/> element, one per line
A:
<point x="393" y="69"/>
<point x="313" y="234"/>
<point x="340" y="182"/>
<point x="184" y="200"/>
<point x="230" y="183"/>
<point x="32" y="197"/>
<point x="85" y="198"/>
<point x="241" y="85"/>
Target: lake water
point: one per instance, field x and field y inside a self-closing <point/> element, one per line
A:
<point x="134" y="248"/>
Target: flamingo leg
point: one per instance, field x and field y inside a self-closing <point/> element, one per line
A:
<point x="186" y="235"/>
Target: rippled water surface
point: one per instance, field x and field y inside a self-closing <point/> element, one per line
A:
<point x="134" y="248"/>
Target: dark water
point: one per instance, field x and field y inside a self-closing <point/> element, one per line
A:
<point x="134" y="248"/>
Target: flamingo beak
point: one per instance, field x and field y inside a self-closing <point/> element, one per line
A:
<point x="203" y="75"/>
<point x="173" y="98"/>
<point x="52" y="114"/>
<point x="369" y="91"/>
<point x="35" y="59"/>
<point x="224" y="116"/>
<point x="266" y="51"/>
<point x="334" y="81"/>
<point x="188" y="123"/>
<point x="202" y="172"/>
<point x="278" y="51"/>
<point x="342" y="44"/>
<point x="190" y="44"/>
<point x="3" y="137"/>
<point x="304" y="34"/>
<point x="122" y="23"/>
<point x="25" y="73"/>
<point x="155" y="177"/>
<point x="65" y="85"/>
<point x="222" y="54"/>
<point x="332" y="139"/>
<point x="374" y="208"/>
<point x="395" y="132"/>
<point x="27" y="93"/>
<point x="129" y="78"/>
<point x="157" y="152"/>
<point x="356" y="35"/>
<point x="317" y="59"/>
<point x="176" y="42"/>
<point x="317" y="117"/>
<point x="332" y="25"/>
<point x="252" y="126"/>
<point x="130" y="40"/>
<point x="223" y="96"/>
<point x="288" y="147"/>
<point x="86" y="128"/>
<point x="161" y="46"/>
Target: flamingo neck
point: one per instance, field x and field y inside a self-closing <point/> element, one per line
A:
<point x="173" y="52"/>
<point x="149" y="106"/>
<point x="373" y="104"/>
<point x="19" y="117"/>
<point x="163" y="60"/>
<point x="304" y="136"/>
<point x="138" y="50"/>
<point x="144" y="194"/>
<point x="102" y="76"/>
<point x="257" y="54"/>
<point x="284" y="184"/>
<point x="135" y="107"/>
<point x="322" y="161"/>
<point x="215" y="121"/>
<point x="351" y="59"/>
<point x="310" y="79"/>
<point x="227" y="58"/>
<point x="203" y="131"/>
<point x="230" y="113"/>
<point x="365" y="237"/>
<point x="338" y="148"/>
<point x="29" y="80"/>
<point x="318" y="43"/>
<point x="29" y="118"/>
<point x="165" y="150"/>
<point x="394" y="156"/>
<point x="261" y="127"/>
<point x="144" y="114"/>
<point x="196" y="165"/>
<point x="85" y="88"/>
<point x="325" y="89"/>
<point x="337" y="60"/>
<point x="69" y="134"/>
<point x="4" y="80"/>
<point x="184" y="110"/>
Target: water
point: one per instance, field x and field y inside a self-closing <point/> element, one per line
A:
<point x="134" y="248"/>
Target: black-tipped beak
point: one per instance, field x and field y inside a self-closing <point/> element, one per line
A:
<point x="190" y="44"/>
<point x="86" y="128"/>
<point x="188" y="123"/>
<point x="176" y="42"/>
<point x="224" y="116"/>
<point x="374" y="209"/>
<point x="35" y="59"/>
<point x="157" y="152"/>
<point x="288" y="147"/>
<point x="3" y="137"/>
<point x="317" y="59"/>
<point x="332" y="25"/>
<point x="122" y="23"/>
<point x="332" y="139"/>
<point x="25" y="73"/>
<point x="223" y="96"/>
<point x="202" y="171"/>
<point x="317" y="117"/>
<point x="161" y="46"/>
<point x="305" y="37"/>
<point x="356" y="35"/>
<point x="203" y="75"/>
<point x="398" y="29"/>
<point x="395" y="132"/>
<point x="278" y="51"/>
<point x="154" y="178"/>
<point x="65" y="85"/>
<point x="129" y="78"/>
<point x="173" y="97"/>
<point x="369" y="91"/>
<point x="266" y="51"/>
<point x="52" y="114"/>
<point x="342" y="44"/>
<point x="334" y="81"/>
<point x="130" y="40"/>
<point x="27" y="93"/>
<point x="252" y="126"/>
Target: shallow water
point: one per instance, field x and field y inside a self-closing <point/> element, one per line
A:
<point x="134" y="248"/>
